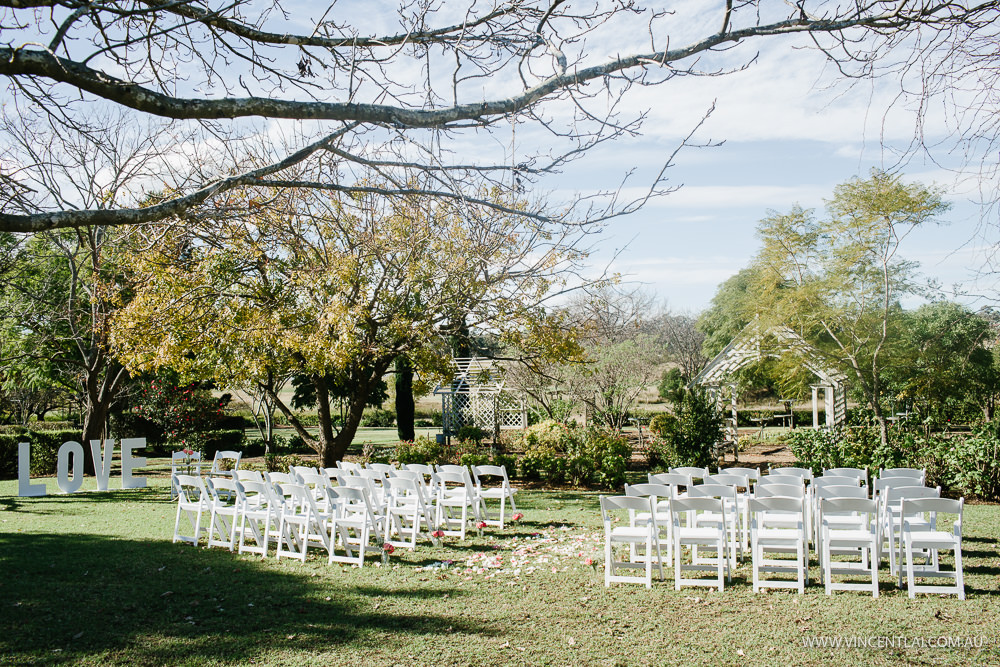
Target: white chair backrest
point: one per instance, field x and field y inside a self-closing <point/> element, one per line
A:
<point x="857" y="473"/>
<point x="192" y="462"/>
<point x="790" y="480"/>
<point x="696" y="504"/>
<point x="691" y="471"/>
<point x="422" y="468"/>
<point x="883" y="484"/>
<point x="499" y="472"/>
<point x="658" y="491"/>
<point x="912" y="473"/>
<point x="673" y="479"/>
<point x="452" y="468"/>
<point x="729" y="479"/>
<point x="894" y="495"/>
<point x="712" y="491"/>
<point x="753" y="474"/>
<point x="226" y="491"/>
<point x="827" y="480"/>
<point x="384" y="468"/>
<point x="630" y="503"/>
<point x="777" y="504"/>
<point x="845" y="491"/>
<point x="244" y="476"/>
<point x="258" y="494"/>
<point x="191" y="489"/>
<point x="779" y="490"/>
<point x="349" y="466"/>
<point x="833" y="506"/>
<point x="914" y="506"/>
<point x="225" y="461"/>
<point x="804" y="473"/>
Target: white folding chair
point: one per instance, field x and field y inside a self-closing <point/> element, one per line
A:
<point x="301" y="524"/>
<point x="408" y="514"/>
<point x="920" y="534"/>
<point x="660" y="494"/>
<point x="690" y="532"/>
<point x="193" y="500"/>
<point x="892" y="517"/>
<point x="849" y="525"/>
<point x="225" y="462"/>
<point x="741" y="485"/>
<point x="455" y="493"/>
<point x="260" y="518"/>
<point x="624" y="533"/>
<point x="298" y="471"/>
<point x="502" y="491"/>
<point x="182" y="463"/>
<point x="353" y="526"/>
<point x="838" y="520"/>
<point x="791" y="537"/>
<point x="227" y="502"/>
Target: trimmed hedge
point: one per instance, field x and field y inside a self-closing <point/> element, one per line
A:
<point x="44" y="450"/>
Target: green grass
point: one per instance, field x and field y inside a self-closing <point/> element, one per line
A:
<point x="93" y="579"/>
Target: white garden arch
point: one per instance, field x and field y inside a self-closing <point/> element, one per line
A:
<point x="751" y="345"/>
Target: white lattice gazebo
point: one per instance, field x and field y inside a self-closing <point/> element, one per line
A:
<point x="477" y="396"/>
<point x="751" y="345"/>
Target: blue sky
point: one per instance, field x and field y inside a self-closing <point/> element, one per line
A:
<point x="792" y="130"/>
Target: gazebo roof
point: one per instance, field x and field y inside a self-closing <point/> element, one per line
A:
<point x="751" y="345"/>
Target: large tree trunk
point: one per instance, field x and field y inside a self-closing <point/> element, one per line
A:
<point x="104" y="377"/>
<point x="405" y="408"/>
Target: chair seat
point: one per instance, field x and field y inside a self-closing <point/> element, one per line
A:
<point x="495" y="493"/>
<point x="932" y="539"/>
<point x="858" y="537"/>
<point x="707" y="533"/>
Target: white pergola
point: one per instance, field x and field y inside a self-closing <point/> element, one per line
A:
<point x="477" y="396"/>
<point x="750" y="346"/>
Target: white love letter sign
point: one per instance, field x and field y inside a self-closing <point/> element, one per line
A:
<point x="62" y="467"/>
<point x="24" y="485"/>
<point x="102" y="466"/>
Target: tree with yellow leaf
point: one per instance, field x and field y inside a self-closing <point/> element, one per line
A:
<point x="336" y="286"/>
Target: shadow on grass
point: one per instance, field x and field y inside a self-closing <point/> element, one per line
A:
<point x="72" y="597"/>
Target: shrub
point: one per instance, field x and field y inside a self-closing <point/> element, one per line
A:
<point x="372" y="453"/>
<point x="378" y="418"/>
<point x="558" y="454"/>
<point x="228" y="440"/>
<point x="422" y="450"/>
<point x="471" y="433"/>
<point x="610" y="454"/>
<point x="692" y="431"/>
<point x="279" y="463"/>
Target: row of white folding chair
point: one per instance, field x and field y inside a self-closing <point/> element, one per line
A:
<point x="686" y="529"/>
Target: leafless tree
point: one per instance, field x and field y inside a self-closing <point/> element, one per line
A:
<point x="403" y="94"/>
<point x="682" y="340"/>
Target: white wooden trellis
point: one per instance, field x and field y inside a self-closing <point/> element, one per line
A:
<point x="751" y="345"/>
<point x="477" y="396"/>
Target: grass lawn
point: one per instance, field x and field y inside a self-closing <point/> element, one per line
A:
<point x="94" y="579"/>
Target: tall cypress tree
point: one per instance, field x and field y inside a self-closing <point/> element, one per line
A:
<point x="404" y="399"/>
